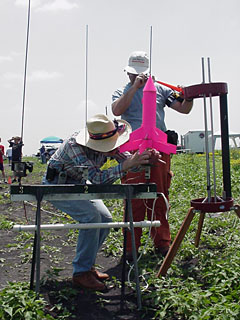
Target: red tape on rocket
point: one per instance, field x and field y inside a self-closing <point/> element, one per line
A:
<point x="148" y="135"/>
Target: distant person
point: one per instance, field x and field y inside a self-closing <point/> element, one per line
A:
<point x="1" y="161"/>
<point x="16" y="144"/>
<point x="127" y="103"/>
<point x="9" y="156"/>
<point x="43" y="154"/>
<point x="92" y="149"/>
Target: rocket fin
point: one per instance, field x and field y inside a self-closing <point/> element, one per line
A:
<point x="160" y="135"/>
<point x="164" y="147"/>
<point x="137" y="134"/>
<point x="130" y="145"/>
<point x="145" y="145"/>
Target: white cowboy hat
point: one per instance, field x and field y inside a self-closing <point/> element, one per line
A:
<point x="103" y="134"/>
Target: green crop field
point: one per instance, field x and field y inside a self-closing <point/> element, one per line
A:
<point x="201" y="283"/>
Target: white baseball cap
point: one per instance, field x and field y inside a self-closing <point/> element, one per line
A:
<point x="138" y="62"/>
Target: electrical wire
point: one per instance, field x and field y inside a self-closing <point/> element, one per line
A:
<point x="43" y="210"/>
<point x="149" y="236"/>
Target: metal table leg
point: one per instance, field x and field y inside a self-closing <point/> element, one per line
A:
<point x="38" y="245"/>
<point x="129" y="194"/>
<point x="36" y="248"/>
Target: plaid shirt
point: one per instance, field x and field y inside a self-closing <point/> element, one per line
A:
<point x="70" y="154"/>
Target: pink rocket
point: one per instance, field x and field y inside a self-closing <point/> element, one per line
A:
<point x="148" y="135"/>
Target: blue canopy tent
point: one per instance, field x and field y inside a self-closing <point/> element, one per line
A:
<point x="51" y="139"/>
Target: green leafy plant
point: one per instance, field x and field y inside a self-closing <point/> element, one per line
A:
<point x="17" y="302"/>
<point x="201" y="284"/>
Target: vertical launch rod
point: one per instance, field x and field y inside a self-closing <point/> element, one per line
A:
<point x="150" y="52"/>
<point x="25" y="70"/>
<point x="86" y="84"/>
<point x="206" y="138"/>
<point x="212" y="134"/>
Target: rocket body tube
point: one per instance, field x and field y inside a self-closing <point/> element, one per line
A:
<point x="149" y="105"/>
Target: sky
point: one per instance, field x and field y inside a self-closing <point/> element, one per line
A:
<point x="78" y="50"/>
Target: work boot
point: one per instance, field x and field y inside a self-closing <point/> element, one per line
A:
<point x="99" y="275"/>
<point x="87" y="280"/>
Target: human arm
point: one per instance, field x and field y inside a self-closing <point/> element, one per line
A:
<point x="126" y="162"/>
<point x="175" y="100"/>
<point x="182" y="107"/>
<point x="72" y="157"/>
<point x="10" y="141"/>
<point x="120" y="105"/>
<point x="136" y="160"/>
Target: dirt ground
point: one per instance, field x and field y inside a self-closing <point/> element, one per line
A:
<point x="15" y="265"/>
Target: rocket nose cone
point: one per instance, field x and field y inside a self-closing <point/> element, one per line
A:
<point x="149" y="86"/>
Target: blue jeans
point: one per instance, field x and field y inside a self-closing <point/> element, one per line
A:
<point x="89" y="240"/>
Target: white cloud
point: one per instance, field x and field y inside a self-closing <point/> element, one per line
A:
<point x="43" y="75"/>
<point x="49" y="5"/>
<point x="10" y="57"/>
<point x="24" y="3"/>
<point x="58" y="5"/>
<point x="12" y="76"/>
<point x="90" y="104"/>
<point x="34" y="76"/>
<point x="5" y="58"/>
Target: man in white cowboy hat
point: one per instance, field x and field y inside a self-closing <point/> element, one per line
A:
<point x="91" y="148"/>
<point x="127" y="103"/>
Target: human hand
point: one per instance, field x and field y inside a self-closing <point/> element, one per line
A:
<point x="140" y="80"/>
<point x="180" y="92"/>
<point x="136" y="160"/>
<point x="155" y="157"/>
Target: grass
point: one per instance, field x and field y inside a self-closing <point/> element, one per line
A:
<point x="202" y="283"/>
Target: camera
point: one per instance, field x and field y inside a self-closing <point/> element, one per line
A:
<point x="62" y="177"/>
<point x="20" y="168"/>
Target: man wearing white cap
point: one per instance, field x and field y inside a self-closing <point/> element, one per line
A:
<point x="91" y="148"/>
<point x="127" y="103"/>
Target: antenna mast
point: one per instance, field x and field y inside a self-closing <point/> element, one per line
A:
<point x="25" y="69"/>
<point x="86" y="84"/>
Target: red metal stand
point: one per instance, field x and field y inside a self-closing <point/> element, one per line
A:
<point x="185" y="226"/>
<point x="209" y="204"/>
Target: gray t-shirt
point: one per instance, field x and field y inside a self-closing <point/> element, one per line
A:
<point x="134" y="112"/>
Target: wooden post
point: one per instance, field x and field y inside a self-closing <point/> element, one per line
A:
<point x="237" y="210"/>
<point x="199" y="230"/>
<point x="176" y="243"/>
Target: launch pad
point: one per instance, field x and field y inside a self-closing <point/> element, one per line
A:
<point x="211" y="203"/>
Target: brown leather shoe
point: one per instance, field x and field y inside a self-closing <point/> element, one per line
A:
<point x="99" y="275"/>
<point x="88" y="280"/>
